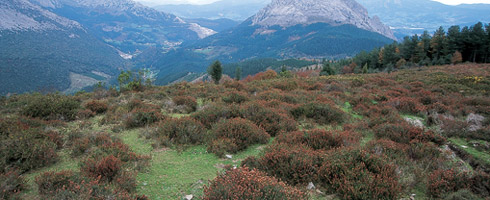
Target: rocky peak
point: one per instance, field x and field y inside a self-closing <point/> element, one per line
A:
<point x="288" y="13"/>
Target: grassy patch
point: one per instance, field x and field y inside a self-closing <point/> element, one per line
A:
<point x="465" y="146"/>
<point x="348" y="109"/>
<point x="174" y="174"/>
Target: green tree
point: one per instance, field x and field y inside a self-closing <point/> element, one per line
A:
<point x="123" y="80"/>
<point x="238" y="73"/>
<point x="365" y="69"/>
<point x="215" y="70"/>
<point x="437" y="43"/>
<point x="327" y="69"/>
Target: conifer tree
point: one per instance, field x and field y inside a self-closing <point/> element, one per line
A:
<point x="215" y="70"/>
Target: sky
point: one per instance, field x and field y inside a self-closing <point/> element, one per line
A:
<point x="161" y="2"/>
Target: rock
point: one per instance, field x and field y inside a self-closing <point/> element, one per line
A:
<point x="229" y="156"/>
<point x="475" y="122"/>
<point x="464" y="147"/>
<point x="415" y="122"/>
<point x="412" y="196"/>
<point x="310" y="186"/>
<point x="287" y="13"/>
<point x="145" y="183"/>
<point x="188" y="197"/>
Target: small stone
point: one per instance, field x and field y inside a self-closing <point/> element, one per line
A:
<point x="188" y="197"/>
<point x="310" y="186"/>
<point x="145" y="183"/>
<point x="464" y="147"/>
<point x="228" y="156"/>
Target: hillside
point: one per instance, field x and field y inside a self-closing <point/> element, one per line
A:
<point x="407" y="132"/>
<point x="268" y="34"/>
<point x="42" y="51"/>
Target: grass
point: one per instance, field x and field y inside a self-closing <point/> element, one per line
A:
<point x="348" y="109"/>
<point x="479" y="155"/>
<point x="174" y="174"/>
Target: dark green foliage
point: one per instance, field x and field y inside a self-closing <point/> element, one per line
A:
<point x="238" y="73"/>
<point x="216" y="71"/>
<point x="97" y="107"/>
<point x="327" y="70"/>
<point x="322" y="113"/>
<point x="463" y="194"/>
<point x="254" y="66"/>
<point x="51" y="107"/>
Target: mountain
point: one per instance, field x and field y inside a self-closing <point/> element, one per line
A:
<point x="237" y="10"/>
<point x="409" y="17"/>
<point x="283" y="29"/>
<point x="44" y="51"/>
<point x="215" y="24"/>
<point x="127" y="25"/>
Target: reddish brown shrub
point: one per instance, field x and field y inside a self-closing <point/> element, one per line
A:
<point x="322" y="113"/>
<point x="190" y="103"/>
<point x="106" y="168"/>
<point x="242" y="183"/>
<point x="406" y="105"/>
<point x="85" y="114"/>
<point x="98" y="107"/>
<point x="222" y="146"/>
<point x="49" y="183"/>
<point x="11" y="184"/>
<point x="358" y="174"/>
<point x="234" y="97"/>
<point x="274" y="122"/>
<point x="140" y="117"/>
<point x="316" y="139"/>
<point x="295" y="164"/>
<point x="443" y="182"/>
<point x="214" y="113"/>
<point x="241" y="132"/>
<point x="401" y="133"/>
<point x="269" y="74"/>
<point x="180" y="132"/>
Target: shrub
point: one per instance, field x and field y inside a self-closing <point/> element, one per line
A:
<point x="243" y="183"/>
<point x="11" y="184"/>
<point x="234" y="97"/>
<point x="106" y="168"/>
<point x="241" y="132"/>
<point x="97" y="107"/>
<point x="222" y="146"/>
<point x="401" y="133"/>
<point x="406" y="105"/>
<point x="295" y="164"/>
<point x="322" y="113"/>
<point x="49" y="183"/>
<point x="480" y="184"/>
<point x="140" y="117"/>
<point x="357" y="174"/>
<point x="180" y="132"/>
<point x="85" y="114"/>
<point x="442" y="182"/>
<point x="272" y="121"/>
<point x="463" y="194"/>
<point x="51" y="107"/>
<point x="316" y="139"/>
<point x="189" y="103"/>
<point x="214" y="113"/>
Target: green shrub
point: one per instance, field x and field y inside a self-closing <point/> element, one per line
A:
<point x="51" y="107"/>
<point x="322" y="113"/>
<point x="180" y="132"/>
<point x="241" y="132"/>
<point x="242" y="183"/>
<point x="463" y="194"/>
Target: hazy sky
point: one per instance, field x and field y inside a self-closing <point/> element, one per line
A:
<point x="452" y="2"/>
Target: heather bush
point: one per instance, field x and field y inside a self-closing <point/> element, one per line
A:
<point x="241" y="132"/>
<point x="272" y="121"/>
<point x="106" y="168"/>
<point x="51" y="107"/>
<point x="85" y="114"/>
<point x="401" y="133"/>
<point x="234" y="97"/>
<point x="443" y="182"/>
<point x="189" y="103"/>
<point x="322" y="113"/>
<point x="242" y="183"/>
<point x="462" y="194"/>
<point x="140" y="117"/>
<point x="181" y="131"/>
<point x="295" y="164"/>
<point x="214" y="113"/>
<point x="316" y="139"/>
<point x="222" y="146"/>
<point x="358" y="174"/>
<point x="49" y="183"/>
<point x="11" y="184"/>
<point x="97" y="107"/>
<point x="406" y="105"/>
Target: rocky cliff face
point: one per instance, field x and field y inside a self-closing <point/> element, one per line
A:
<point x="288" y="13"/>
<point x="21" y="15"/>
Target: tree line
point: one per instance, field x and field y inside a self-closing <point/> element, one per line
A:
<point x="456" y="45"/>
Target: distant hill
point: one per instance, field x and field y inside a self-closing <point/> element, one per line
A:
<point x="237" y="10"/>
<point x="44" y="51"/>
<point x="414" y="16"/>
<point x="218" y="25"/>
<point x="283" y="35"/>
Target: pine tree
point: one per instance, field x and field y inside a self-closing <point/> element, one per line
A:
<point x="437" y="43"/>
<point x="215" y="70"/>
<point x="327" y="69"/>
<point x="238" y="73"/>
